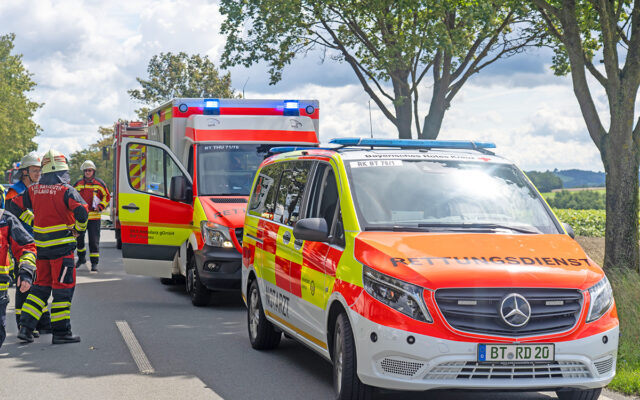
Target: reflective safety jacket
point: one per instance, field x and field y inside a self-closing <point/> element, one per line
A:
<point x="25" y="216"/>
<point x="58" y="210"/>
<point x="13" y="235"/>
<point x="95" y="193"/>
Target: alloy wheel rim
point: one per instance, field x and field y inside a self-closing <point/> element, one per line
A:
<point x="338" y="361"/>
<point x="254" y="314"/>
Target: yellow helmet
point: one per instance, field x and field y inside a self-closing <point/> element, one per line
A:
<point x="54" y="161"/>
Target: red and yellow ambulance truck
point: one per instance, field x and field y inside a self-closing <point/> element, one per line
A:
<point x="182" y="192"/>
<point x="125" y="129"/>
<point x="417" y="265"/>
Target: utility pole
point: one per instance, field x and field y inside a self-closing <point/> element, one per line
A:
<point x="245" y="84"/>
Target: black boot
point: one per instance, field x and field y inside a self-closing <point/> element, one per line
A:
<point x="63" y="338"/>
<point x="25" y="334"/>
<point x="94" y="268"/>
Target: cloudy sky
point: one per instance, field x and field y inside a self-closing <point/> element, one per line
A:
<point x="85" y="55"/>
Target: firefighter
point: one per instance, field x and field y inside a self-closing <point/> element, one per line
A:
<point x="14" y="236"/>
<point x="29" y="173"/>
<point x="95" y="193"/>
<point x="60" y="215"/>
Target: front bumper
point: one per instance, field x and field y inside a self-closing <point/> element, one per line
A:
<point x="432" y="363"/>
<point x="219" y="269"/>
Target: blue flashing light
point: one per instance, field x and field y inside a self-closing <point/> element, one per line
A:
<point x="211" y="107"/>
<point x="414" y="144"/>
<point x="286" y="149"/>
<point x="291" y="108"/>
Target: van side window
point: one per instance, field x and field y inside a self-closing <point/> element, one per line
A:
<point x="324" y="201"/>
<point x="263" y="198"/>
<point x="292" y="185"/>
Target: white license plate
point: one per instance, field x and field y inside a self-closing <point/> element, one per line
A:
<point x="516" y="352"/>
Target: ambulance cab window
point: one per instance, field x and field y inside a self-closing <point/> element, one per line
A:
<point x="262" y="203"/>
<point x="150" y="169"/>
<point x="291" y="189"/>
<point x="324" y="201"/>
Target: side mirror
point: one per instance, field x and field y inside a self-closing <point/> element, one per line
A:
<point x="569" y="230"/>
<point x="180" y="189"/>
<point x="313" y="229"/>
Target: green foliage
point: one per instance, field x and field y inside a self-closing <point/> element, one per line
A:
<point x="626" y="290"/>
<point x="545" y="181"/>
<point x="578" y="200"/>
<point x="94" y="153"/>
<point x="17" y="128"/>
<point x="584" y="222"/>
<point x="385" y="42"/>
<point x="180" y="75"/>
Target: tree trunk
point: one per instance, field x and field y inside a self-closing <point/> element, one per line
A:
<point x="621" y="166"/>
<point x="402" y="105"/>
<point x="437" y="108"/>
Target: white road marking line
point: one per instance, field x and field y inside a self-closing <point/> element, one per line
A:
<point x="134" y="348"/>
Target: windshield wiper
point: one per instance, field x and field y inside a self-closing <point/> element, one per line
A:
<point x="475" y="225"/>
<point x="397" y="228"/>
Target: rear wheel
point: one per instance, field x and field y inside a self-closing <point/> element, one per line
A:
<point x="262" y="334"/>
<point x="200" y="295"/>
<point x="118" y="239"/>
<point x="346" y="384"/>
<point x="577" y="394"/>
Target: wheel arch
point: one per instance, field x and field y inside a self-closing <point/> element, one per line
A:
<point x="337" y="306"/>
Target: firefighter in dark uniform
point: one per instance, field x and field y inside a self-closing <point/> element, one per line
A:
<point x="13" y="235"/>
<point x="29" y="173"/>
<point x="96" y="194"/>
<point x="60" y="215"/>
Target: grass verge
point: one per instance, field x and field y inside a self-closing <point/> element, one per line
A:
<point x="626" y="290"/>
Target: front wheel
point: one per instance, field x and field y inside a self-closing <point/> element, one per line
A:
<point x="118" y="239"/>
<point x="262" y="334"/>
<point x="346" y="384"/>
<point x="200" y="295"/>
<point x="577" y="394"/>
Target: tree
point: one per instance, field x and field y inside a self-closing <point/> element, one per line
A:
<point x="545" y="181"/>
<point x="94" y="153"/>
<point x="180" y="75"/>
<point x="383" y="41"/>
<point x="17" y="128"/>
<point x="610" y="30"/>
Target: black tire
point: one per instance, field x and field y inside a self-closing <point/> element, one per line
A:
<point x="262" y="334"/>
<point x="577" y="394"/>
<point x="200" y="295"/>
<point x="346" y="384"/>
<point x="118" y="239"/>
<point x="167" y="281"/>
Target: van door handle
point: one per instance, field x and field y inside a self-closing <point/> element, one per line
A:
<point x="286" y="237"/>
<point x="131" y="207"/>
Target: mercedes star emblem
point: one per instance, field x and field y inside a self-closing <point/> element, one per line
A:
<point x="515" y="310"/>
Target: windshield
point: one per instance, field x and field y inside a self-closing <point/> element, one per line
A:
<point x="228" y="169"/>
<point x="438" y="195"/>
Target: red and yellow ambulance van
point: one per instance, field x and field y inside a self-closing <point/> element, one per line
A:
<point x="417" y="265"/>
<point x="182" y="192"/>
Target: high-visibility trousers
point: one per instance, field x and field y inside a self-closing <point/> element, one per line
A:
<point x="57" y="277"/>
<point x="93" y="230"/>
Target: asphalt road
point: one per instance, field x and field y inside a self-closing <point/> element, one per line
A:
<point x="187" y="352"/>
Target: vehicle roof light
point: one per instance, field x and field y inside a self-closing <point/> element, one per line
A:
<point x="211" y="107"/>
<point x="291" y="108"/>
<point x="414" y="144"/>
<point x="286" y="149"/>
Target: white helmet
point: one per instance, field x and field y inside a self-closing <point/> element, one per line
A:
<point x="30" y="160"/>
<point x="88" y="165"/>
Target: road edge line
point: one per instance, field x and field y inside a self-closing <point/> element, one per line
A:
<point x="135" y="349"/>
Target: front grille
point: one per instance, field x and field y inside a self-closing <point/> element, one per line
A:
<point x="399" y="366"/>
<point x="604" y="366"/>
<point x="229" y="200"/>
<point x="476" y="310"/>
<point x="239" y="235"/>
<point x="501" y="370"/>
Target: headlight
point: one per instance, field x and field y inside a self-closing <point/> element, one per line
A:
<point x="401" y="296"/>
<point x="215" y="235"/>
<point x="601" y="299"/>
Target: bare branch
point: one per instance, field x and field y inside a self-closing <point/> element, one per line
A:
<point x="594" y="71"/>
<point x="551" y="25"/>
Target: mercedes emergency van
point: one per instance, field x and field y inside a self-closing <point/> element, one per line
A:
<point x="417" y="265"/>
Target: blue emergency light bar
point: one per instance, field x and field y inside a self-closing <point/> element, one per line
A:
<point x="291" y="108"/>
<point x="286" y="149"/>
<point x="211" y="107"/>
<point x="414" y="144"/>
